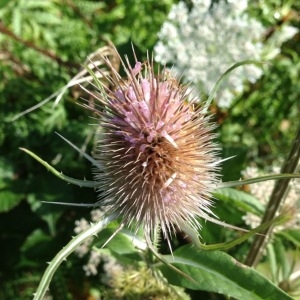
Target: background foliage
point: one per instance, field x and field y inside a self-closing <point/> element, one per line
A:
<point x="43" y="44"/>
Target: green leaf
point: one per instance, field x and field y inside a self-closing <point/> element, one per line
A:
<point x="271" y="255"/>
<point x="122" y="243"/>
<point x="3" y="3"/>
<point x="36" y="248"/>
<point x="11" y="190"/>
<point x="49" y="215"/>
<point x="220" y="273"/>
<point x="9" y="200"/>
<point x="240" y="199"/>
<point x="17" y="21"/>
<point x="36" y="237"/>
<point x="39" y="4"/>
<point x="124" y="246"/>
<point x="7" y="172"/>
<point x="293" y="235"/>
<point x="282" y="258"/>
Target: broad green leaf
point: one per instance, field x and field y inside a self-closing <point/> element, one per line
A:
<point x="240" y="199"/>
<point x="36" y="237"/>
<point x="9" y="200"/>
<point x="220" y="273"/>
<point x="36" y="248"/>
<point x="122" y="243"/>
<point x="124" y="246"/>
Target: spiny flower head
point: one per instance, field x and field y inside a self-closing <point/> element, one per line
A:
<point x="154" y="148"/>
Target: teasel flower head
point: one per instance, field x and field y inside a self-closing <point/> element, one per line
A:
<point x="155" y="150"/>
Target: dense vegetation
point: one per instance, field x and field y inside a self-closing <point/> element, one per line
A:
<point x="43" y="44"/>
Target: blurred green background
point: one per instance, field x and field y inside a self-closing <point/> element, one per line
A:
<point x="43" y="44"/>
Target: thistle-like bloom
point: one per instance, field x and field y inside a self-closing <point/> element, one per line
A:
<point x="155" y="151"/>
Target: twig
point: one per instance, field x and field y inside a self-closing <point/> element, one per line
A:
<point x="275" y="202"/>
<point x="29" y="44"/>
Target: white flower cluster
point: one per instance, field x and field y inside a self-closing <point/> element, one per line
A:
<point x="205" y="41"/>
<point x="84" y="248"/>
<point x="91" y="268"/>
<point x="263" y="190"/>
<point x="80" y="226"/>
<point x="111" y="267"/>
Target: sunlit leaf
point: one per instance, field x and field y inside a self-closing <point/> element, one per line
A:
<point x="220" y="273"/>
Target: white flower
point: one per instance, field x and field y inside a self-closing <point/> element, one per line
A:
<point x="204" y="42"/>
<point x="81" y="225"/>
<point x="91" y="268"/>
<point x="96" y="215"/>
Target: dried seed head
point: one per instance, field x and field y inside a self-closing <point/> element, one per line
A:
<point x="155" y="149"/>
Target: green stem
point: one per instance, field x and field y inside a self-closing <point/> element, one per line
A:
<point x="66" y="251"/>
<point x="28" y="44"/>
<point x="224" y="75"/>
<point x="193" y="235"/>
